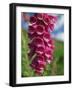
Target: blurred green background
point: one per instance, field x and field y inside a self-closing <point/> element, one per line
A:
<point x="53" y="69"/>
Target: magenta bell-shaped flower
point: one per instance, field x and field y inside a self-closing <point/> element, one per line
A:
<point x="37" y="41"/>
<point x="46" y="37"/>
<point x="31" y="30"/>
<point x="40" y="29"/>
<point x="40" y="50"/>
<point x="41" y="44"/>
<point x="38" y="64"/>
<point x="33" y="20"/>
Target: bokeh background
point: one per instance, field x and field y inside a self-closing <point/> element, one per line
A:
<point x="57" y="66"/>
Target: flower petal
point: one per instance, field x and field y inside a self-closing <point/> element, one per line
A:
<point x="33" y="20"/>
<point x="40" y="29"/>
<point x="40" y="50"/>
<point x="37" y="41"/>
<point x="31" y="30"/>
<point x="46" y="37"/>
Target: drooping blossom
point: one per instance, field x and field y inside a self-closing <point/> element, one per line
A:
<point x="41" y="44"/>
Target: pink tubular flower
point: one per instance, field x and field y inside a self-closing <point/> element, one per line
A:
<point x="31" y="30"/>
<point x="33" y="20"/>
<point x="46" y="37"/>
<point x="40" y="29"/>
<point x="37" y="41"/>
<point x="38" y="64"/>
<point x="40" y="50"/>
<point x="41" y="44"/>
